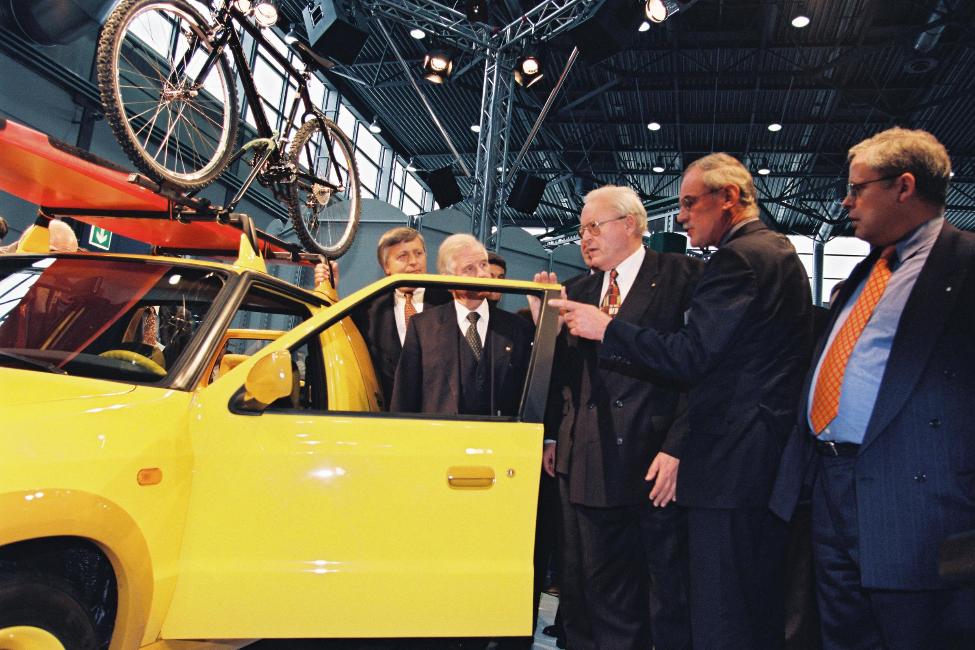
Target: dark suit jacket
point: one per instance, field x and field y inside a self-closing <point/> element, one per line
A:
<point x="615" y="417"/>
<point x="428" y="374"/>
<point x="744" y="351"/>
<point x="915" y="472"/>
<point x="377" y="324"/>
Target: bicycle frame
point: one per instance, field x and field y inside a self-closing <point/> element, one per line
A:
<point x="226" y="18"/>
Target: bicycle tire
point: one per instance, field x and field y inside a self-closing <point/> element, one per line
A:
<point x="135" y="63"/>
<point x="311" y="207"/>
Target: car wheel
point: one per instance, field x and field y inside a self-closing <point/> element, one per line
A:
<point x="41" y="612"/>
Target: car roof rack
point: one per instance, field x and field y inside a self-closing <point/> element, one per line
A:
<point x="65" y="181"/>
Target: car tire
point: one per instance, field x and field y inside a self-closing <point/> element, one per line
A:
<point x="32" y="604"/>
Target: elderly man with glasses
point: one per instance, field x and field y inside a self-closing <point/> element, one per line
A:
<point x="743" y="352"/>
<point x="885" y="438"/>
<point x="620" y="431"/>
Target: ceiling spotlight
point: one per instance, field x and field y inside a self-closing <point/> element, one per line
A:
<point x="644" y="26"/>
<point x="764" y="171"/>
<point x="658" y="11"/>
<point x="437" y="67"/>
<point x="476" y="128"/>
<point x="774" y="126"/>
<point x="266" y="13"/>
<point x="800" y="21"/>
<point x="528" y="71"/>
<point x="654" y="126"/>
<point x="292" y="36"/>
<point x="417" y="33"/>
<point x="243" y="6"/>
<point x="658" y="168"/>
<point x="411" y="165"/>
<point x="374" y="127"/>
<point x="477" y="11"/>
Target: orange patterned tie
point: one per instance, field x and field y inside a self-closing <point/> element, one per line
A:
<point x="826" y="398"/>
<point x="409" y="309"/>
<point x="611" y="302"/>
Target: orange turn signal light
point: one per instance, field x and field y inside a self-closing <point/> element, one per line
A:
<point x="149" y="476"/>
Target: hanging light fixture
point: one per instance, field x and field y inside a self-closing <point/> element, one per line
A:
<point x="411" y="165"/>
<point x="654" y="126"/>
<point x="644" y="27"/>
<point x="658" y="168"/>
<point x="417" y="33"/>
<point x="266" y="13"/>
<point x="292" y="36"/>
<point x="476" y="128"/>
<point x="375" y="127"/>
<point x="528" y="71"/>
<point x="437" y="66"/>
<point x="801" y="17"/>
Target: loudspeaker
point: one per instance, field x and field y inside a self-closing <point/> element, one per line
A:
<point x="444" y="186"/>
<point x="526" y="193"/>
<point x="53" y="22"/>
<point x="668" y="242"/>
<point x="607" y="32"/>
<point x="332" y="31"/>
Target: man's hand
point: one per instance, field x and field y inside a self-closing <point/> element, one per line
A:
<point x="663" y="472"/>
<point x="585" y="321"/>
<point x="321" y="275"/>
<point x="534" y="302"/>
<point x="548" y="459"/>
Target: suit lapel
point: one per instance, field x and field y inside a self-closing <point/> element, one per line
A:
<point x="922" y="321"/>
<point x="642" y="293"/>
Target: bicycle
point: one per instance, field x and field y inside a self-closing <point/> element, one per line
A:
<point x="169" y="94"/>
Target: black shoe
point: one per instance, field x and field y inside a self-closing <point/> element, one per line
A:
<point x="551" y="630"/>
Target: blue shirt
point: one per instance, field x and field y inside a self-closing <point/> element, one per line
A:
<point x="865" y="368"/>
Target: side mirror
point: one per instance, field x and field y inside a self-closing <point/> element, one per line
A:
<point x="270" y="379"/>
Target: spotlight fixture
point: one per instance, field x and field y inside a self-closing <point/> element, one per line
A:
<point x="658" y="168"/>
<point x="476" y="128"/>
<point x="477" y="11"/>
<point x="800" y="21"/>
<point x="644" y="26"/>
<point x="374" y="127"/>
<point x="266" y="13"/>
<point x="411" y="165"/>
<point x="654" y="126"/>
<point x="437" y="67"/>
<point x="243" y="6"/>
<point x="658" y="11"/>
<point x="774" y="127"/>
<point x="528" y="71"/>
<point x="292" y="36"/>
<point x="417" y="33"/>
<point x="764" y="170"/>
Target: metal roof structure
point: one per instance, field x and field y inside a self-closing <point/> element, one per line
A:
<point x="713" y="76"/>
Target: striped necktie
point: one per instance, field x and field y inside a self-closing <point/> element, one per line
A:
<point x="611" y="302"/>
<point x="826" y="398"/>
<point x="473" y="338"/>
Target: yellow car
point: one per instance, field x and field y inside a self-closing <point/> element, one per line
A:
<point x="195" y="455"/>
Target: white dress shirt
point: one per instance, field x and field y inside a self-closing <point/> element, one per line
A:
<point x="482" y="324"/>
<point x="399" y="307"/>
<point x="625" y="274"/>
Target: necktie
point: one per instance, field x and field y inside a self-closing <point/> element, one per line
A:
<point x="611" y="302"/>
<point x="472" y="337"/>
<point x="409" y="309"/>
<point x="826" y="398"/>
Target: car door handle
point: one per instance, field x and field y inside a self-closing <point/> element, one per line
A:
<point x="468" y="477"/>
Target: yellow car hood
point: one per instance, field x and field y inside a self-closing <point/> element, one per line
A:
<point x="20" y="387"/>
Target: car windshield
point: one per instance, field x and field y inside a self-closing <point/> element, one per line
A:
<point x="124" y="320"/>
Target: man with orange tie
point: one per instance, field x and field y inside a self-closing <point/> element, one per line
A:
<point x="620" y="434"/>
<point x="383" y="321"/>
<point x="743" y="353"/>
<point x="885" y="438"/>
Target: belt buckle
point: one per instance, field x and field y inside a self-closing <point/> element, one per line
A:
<point x="832" y="447"/>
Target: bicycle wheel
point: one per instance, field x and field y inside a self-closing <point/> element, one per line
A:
<point x="324" y="199"/>
<point x="169" y="98"/>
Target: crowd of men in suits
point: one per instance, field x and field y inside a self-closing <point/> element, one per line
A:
<point x="692" y="410"/>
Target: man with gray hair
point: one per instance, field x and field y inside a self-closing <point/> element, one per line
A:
<point x="884" y="441"/>
<point x="743" y="352"/>
<point x="620" y="433"/>
<point x="465" y="357"/>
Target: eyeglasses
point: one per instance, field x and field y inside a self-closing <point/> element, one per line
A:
<point x="853" y="189"/>
<point x="687" y="202"/>
<point x="594" y="227"/>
